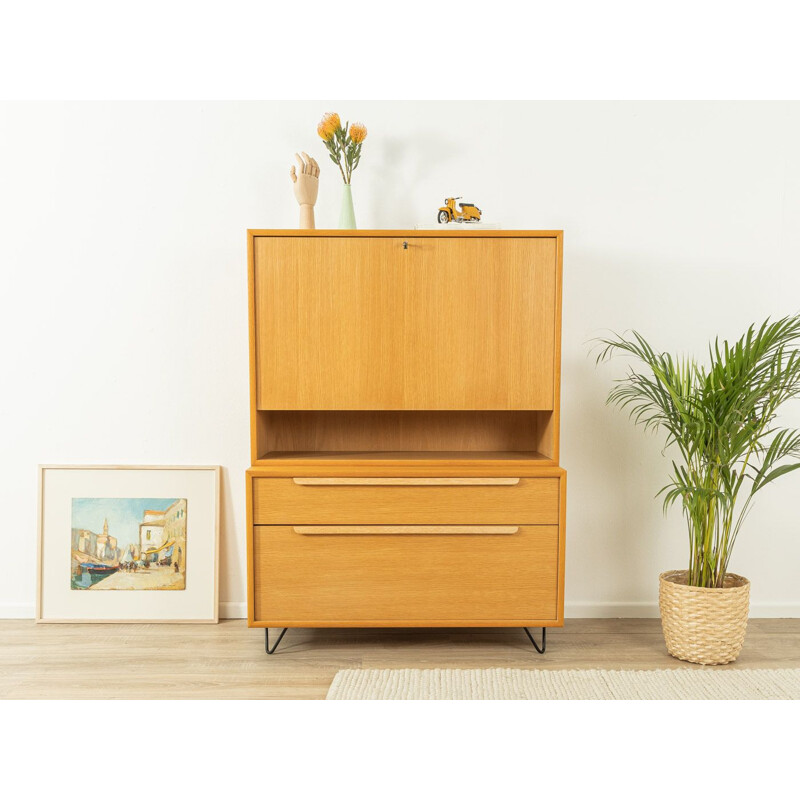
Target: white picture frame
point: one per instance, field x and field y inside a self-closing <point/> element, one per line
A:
<point x="197" y="598"/>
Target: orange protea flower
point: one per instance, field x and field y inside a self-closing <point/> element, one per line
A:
<point x="358" y="132"/>
<point x="328" y="125"/>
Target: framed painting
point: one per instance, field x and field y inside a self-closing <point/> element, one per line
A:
<point x="128" y="544"/>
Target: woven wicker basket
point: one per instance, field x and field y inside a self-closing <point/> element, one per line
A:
<point x="704" y="626"/>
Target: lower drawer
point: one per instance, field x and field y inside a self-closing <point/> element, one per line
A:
<point x="404" y="574"/>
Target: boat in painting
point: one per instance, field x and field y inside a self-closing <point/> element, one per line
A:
<point x="100" y="569"/>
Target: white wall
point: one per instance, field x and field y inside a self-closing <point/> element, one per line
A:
<point x="124" y="302"/>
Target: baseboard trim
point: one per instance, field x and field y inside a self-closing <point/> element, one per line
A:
<point x="233" y="610"/>
<point x="612" y="610"/>
<point x="615" y="610"/>
<point x="575" y="610"/>
<point x="17" y="610"/>
<point x="28" y="610"/>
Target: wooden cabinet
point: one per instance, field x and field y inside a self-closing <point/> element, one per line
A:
<point x="405" y="429"/>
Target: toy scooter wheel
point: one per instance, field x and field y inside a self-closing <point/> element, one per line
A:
<point x="444" y="217"/>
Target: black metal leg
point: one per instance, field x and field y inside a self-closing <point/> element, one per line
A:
<point x="266" y="641"/>
<point x="271" y="650"/>
<point x="533" y="641"/>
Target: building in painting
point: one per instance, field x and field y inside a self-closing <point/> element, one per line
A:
<point x="84" y="541"/>
<point x="90" y="546"/>
<point x="84" y="544"/>
<point x="151" y="534"/>
<point x="175" y="531"/>
<point x="162" y="535"/>
<point x="106" y="545"/>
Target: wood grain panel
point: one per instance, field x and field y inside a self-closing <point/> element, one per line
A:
<point x="329" y="321"/>
<point x="362" y="431"/>
<point x="281" y="501"/>
<point x="423" y="577"/>
<point x="400" y="465"/>
<point x="449" y="323"/>
<point x="478" y="323"/>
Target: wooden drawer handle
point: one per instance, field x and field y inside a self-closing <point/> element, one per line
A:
<point x="397" y="529"/>
<point x="407" y="481"/>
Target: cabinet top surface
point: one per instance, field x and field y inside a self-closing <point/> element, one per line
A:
<point x="454" y="233"/>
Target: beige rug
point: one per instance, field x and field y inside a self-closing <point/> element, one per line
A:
<point x="710" y="683"/>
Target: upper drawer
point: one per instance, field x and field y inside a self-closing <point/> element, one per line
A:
<point x="442" y="324"/>
<point x="365" y="501"/>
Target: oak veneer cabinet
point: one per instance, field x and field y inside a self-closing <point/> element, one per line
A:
<point x="405" y="429"/>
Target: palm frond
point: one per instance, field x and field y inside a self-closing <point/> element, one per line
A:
<point x="720" y="417"/>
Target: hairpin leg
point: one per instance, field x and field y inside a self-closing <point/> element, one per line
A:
<point x="533" y="641"/>
<point x="266" y="641"/>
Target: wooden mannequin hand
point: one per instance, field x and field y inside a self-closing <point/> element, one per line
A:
<point x="306" y="188"/>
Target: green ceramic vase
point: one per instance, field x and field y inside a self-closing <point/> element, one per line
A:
<point x="347" y="219"/>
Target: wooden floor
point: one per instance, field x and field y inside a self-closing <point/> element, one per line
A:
<point x="228" y="660"/>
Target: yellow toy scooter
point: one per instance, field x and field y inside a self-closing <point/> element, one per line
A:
<point x="468" y="211"/>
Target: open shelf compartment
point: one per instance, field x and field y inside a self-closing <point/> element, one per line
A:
<point x="383" y="436"/>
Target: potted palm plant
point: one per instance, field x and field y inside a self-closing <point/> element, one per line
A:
<point x="719" y="420"/>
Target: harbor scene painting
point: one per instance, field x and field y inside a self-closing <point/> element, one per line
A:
<point x="124" y="543"/>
